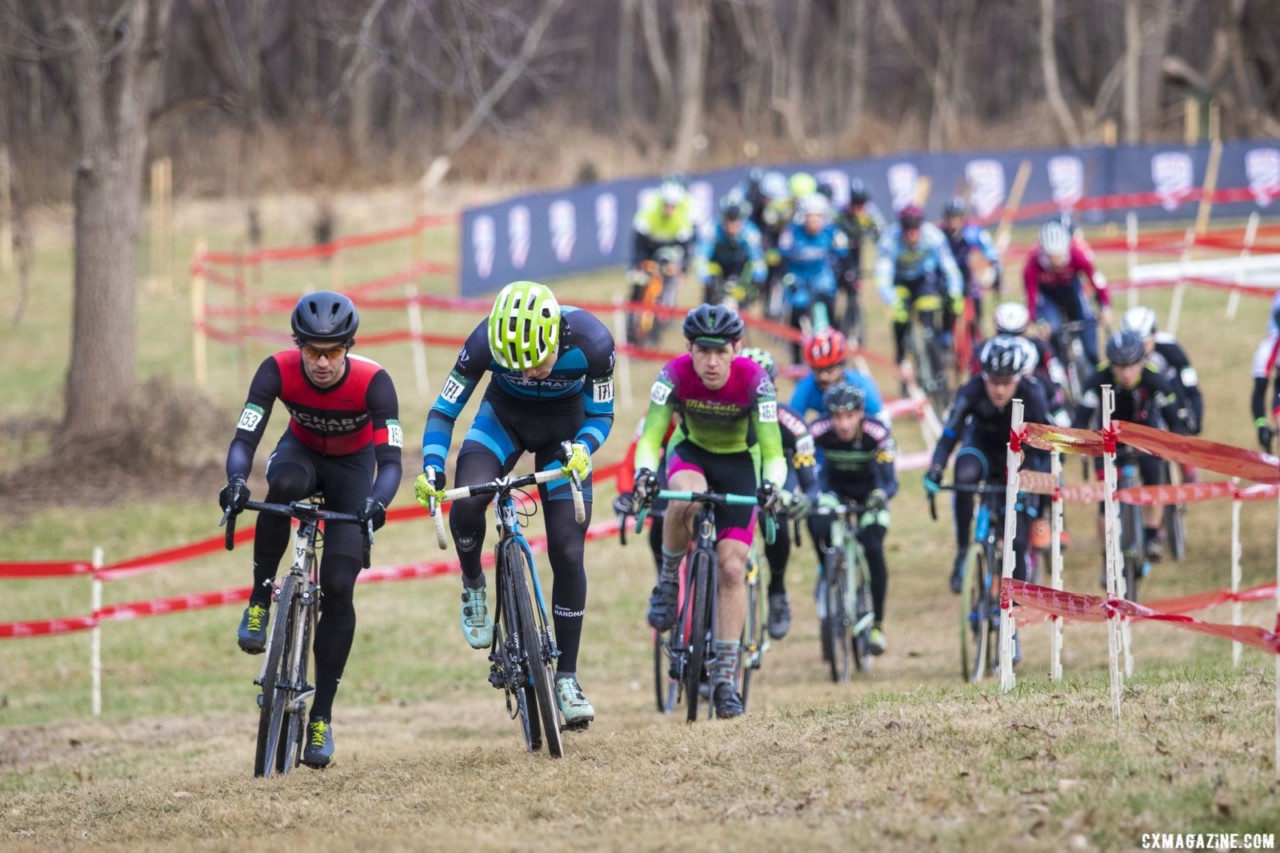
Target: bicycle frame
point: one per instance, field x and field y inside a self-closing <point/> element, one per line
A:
<point x="845" y="613"/>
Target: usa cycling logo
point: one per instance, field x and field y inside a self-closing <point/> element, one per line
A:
<point x="1066" y="180"/>
<point x="1262" y="167"/>
<point x="986" y="185"/>
<point x="483" y="241"/>
<point x="518" y="235"/>
<point x="902" y="184"/>
<point x="1174" y="177"/>
<point x="606" y="222"/>
<point x="563" y="228"/>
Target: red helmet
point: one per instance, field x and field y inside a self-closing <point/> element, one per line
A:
<point x="826" y="349"/>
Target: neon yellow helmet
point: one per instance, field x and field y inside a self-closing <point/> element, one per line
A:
<point x="802" y="184"/>
<point x="524" y="325"/>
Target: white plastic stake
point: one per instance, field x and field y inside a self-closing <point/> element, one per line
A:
<point x="95" y="653"/>
<point x="1236" y="647"/>
<point x="1055" y="561"/>
<point x="1111" y="528"/>
<point x="1012" y="462"/>
<point x="415" y="340"/>
<point x="1175" y="309"/>
<point x="622" y="365"/>
<point x="1250" y="233"/>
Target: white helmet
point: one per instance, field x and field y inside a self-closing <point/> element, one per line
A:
<point x="1054" y="239"/>
<point x="671" y="192"/>
<point x="1011" y="318"/>
<point x="813" y="204"/>
<point x="1141" y="320"/>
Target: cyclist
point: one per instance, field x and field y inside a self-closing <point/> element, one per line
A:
<point x="1167" y="356"/>
<point x="861" y="222"/>
<point x="855" y="458"/>
<point x="1055" y="292"/>
<point x="771" y="213"/>
<point x="810" y="248"/>
<point x="964" y="238"/>
<point x="913" y="267"/>
<point x="552" y="382"/>
<point x="802" y="489"/>
<point x="727" y="440"/>
<point x="980" y="420"/>
<point x="1012" y="319"/>
<point x="1264" y="365"/>
<point x="731" y="258"/>
<point x="344" y="424"/>
<point x="1143" y="396"/>
<point x="826" y="353"/>
<point x="665" y="220"/>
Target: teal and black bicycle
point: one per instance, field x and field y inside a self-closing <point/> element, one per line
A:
<point x="845" y="614"/>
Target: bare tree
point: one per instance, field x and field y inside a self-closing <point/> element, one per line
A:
<point x="1049" y="66"/>
<point x="691" y="28"/>
<point x="114" y="52"/>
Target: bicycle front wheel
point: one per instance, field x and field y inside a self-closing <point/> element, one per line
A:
<point x="700" y="569"/>
<point x="271" y="703"/>
<point x="509" y="655"/>
<point x="863" y="613"/>
<point x="537" y="665"/>
<point x="836" y="622"/>
<point x="299" y="657"/>
<point x="752" y="633"/>
<point x="974" y="615"/>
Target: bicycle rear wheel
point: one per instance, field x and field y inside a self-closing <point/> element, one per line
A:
<point x="752" y="633"/>
<point x="700" y="569"/>
<point x="271" y="703"/>
<point x="974" y="618"/>
<point x="1132" y="548"/>
<point x="538" y="667"/>
<point x="836" y="625"/>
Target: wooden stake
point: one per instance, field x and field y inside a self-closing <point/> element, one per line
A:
<point x="199" y="338"/>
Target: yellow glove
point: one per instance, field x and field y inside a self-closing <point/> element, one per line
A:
<point x="957" y="304"/>
<point x="429" y="487"/>
<point x="577" y="459"/>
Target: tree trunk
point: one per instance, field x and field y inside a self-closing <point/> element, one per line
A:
<point x="657" y="54"/>
<point x="1049" y="65"/>
<point x="626" y="61"/>
<point x="691" y="26"/>
<point x="1132" y="123"/>
<point x="115" y="78"/>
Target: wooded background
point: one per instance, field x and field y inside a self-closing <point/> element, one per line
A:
<point x="250" y="96"/>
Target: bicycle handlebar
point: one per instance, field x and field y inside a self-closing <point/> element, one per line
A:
<point x="502" y="485"/>
<point x="303" y="511"/>
<point x="726" y="500"/>
<point x="975" y="489"/>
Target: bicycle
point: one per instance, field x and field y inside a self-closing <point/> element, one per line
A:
<point x="738" y="292"/>
<point x="1069" y="349"/>
<point x="523" y="655"/>
<point x="653" y="285"/>
<point x="983" y="561"/>
<point x="845" y="614"/>
<point x="1133" y="543"/>
<point x="283" y="679"/>
<point x="1174" y="516"/>
<point x="689" y="647"/>
<point x="927" y="350"/>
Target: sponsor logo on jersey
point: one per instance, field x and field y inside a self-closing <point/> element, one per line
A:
<point x="902" y="184"/>
<point x="1174" y="177"/>
<point x="765" y="388"/>
<point x="518" y="235"/>
<point x="483" y="241"/>
<point x="986" y="185"/>
<point x="659" y="393"/>
<point x="250" y="417"/>
<point x="602" y="392"/>
<point x="452" y="389"/>
<point x="1066" y="179"/>
<point x="327" y="423"/>
<point x="1262" y="167"/>
<point x="564" y="228"/>
<point x="606" y="222"/>
<point x="768" y="412"/>
<point x="395" y="435"/>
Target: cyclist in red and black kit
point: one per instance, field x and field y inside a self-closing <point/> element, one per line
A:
<point x="343" y="426"/>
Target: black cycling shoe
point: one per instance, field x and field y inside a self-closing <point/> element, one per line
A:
<point x="779" y="615"/>
<point x="662" y="605"/>
<point x="957" y="574"/>
<point x="319" y="751"/>
<point x="728" y="702"/>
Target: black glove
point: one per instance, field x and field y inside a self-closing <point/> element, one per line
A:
<point x="622" y="504"/>
<point x="933" y="479"/>
<point x="234" y="495"/>
<point x="642" y="492"/>
<point x="1265" y="436"/>
<point x="372" y="510"/>
<point x="769" y="497"/>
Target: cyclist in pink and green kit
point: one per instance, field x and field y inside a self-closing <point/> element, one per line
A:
<point x="726" y="440"/>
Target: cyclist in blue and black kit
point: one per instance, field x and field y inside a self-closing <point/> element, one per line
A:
<point x="730" y="260"/>
<point x="343" y="426"/>
<point x="914" y="264"/>
<point x="861" y="222"/>
<point x="826" y="353"/>
<point x="965" y="238"/>
<point x="811" y="246"/>
<point x="552" y="382"/>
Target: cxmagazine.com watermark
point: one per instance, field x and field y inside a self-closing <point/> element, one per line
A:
<point x="1208" y="841"/>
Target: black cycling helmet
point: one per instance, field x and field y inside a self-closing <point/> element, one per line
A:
<point x="955" y="207"/>
<point x="825" y="188"/>
<point x="325" y="316"/>
<point x="1002" y="357"/>
<point x="734" y="207"/>
<point x="843" y="397"/>
<point x="1125" y="348"/>
<point x="713" y="325"/>
<point x="754" y="176"/>
<point x="858" y="191"/>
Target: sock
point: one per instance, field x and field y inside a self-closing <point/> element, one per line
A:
<point x="670" y="572"/>
<point x="1149" y="533"/>
<point x="727" y="652"/>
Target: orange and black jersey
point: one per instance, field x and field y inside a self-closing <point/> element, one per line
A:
<point x="360" y="411"/>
